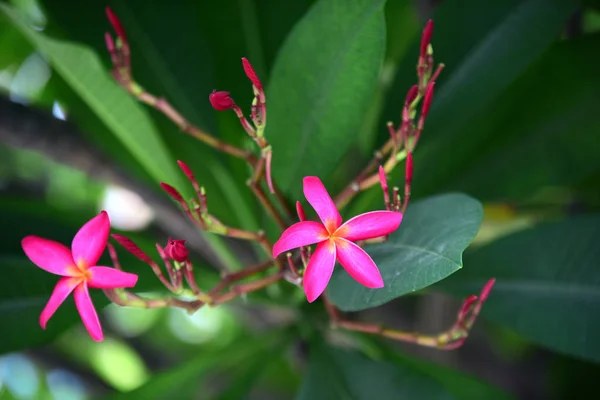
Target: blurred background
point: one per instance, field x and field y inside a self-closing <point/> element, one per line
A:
<point x="515" y="123"/>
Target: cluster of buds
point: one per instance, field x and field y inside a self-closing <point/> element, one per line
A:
<point x="410" y="129"/>
<point x="174" y="256"/>
<point x="399" y="147"/>
<point x="467" y="314"/>
<point x="119" y="52"/>
<point x="222" y="101"/>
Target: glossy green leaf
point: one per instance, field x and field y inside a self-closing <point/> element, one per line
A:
<point x="82" y="70"/>
<point x="323" y="80"/>
<point x="547" y="284"/>
<point x="339" y="374"/>
<point x="426" y="248"/>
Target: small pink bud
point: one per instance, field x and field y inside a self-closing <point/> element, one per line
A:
<point x="176" y="250"/>
<point x="487" y="288"/>
<point x="411" y="95"/>
<point x="116" y="24"/>
<point x="383" y="179"/>
<point x="466" y="306"/>
<point x="251" y="74"/>
<point x="426" y="37"/>
<point x="110" y="44"/>
<point x="132" y="248"/>
<point x="409" y="167"/>
<point x="186" y="170"/>
<point x="221" y="100"/>
<point x="300" y="211"/>
<point x="171" y="191"/>
<point x="427" y="99"/>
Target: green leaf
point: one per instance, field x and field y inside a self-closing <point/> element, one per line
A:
<point x="323" y="79"/>
<point x="462" y="385"/>
<point x="426" y="248"/>
<point x="547" y="284"/>
<point x="82" y="70"/>
<point x="483" y="57"/>
<point x="339" y="374"/>
<point x="500" y="58"/>
<point x="197" y="375"/>
<point x="539" y="137"/>
<point x="459" y="384"/>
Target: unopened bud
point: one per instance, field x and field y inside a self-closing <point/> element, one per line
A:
<point x="221" y="100"/>
<point x="411" y="95"/>
<point x="427" y="99"/>
<point x="383" y="179"/>
<point x="110" y="44"/>
<point x="176" y="250"/>
<point x="171" y="191"/>
<point x="409" y="167"/>
<point x="187" y="171"/>
<point x="485" y="292"/>
<point x="466" y="306"/>
<point x="116" y="24"/>
<point x="132" y="248"/>
<point x="300" y="211"/>
<point x="249" y="70"/>
<point x="426" y="37"/>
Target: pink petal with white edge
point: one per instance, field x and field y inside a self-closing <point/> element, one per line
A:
<point x="110" y="278"/>
<point x="88" y="314"/>
<point x="319" y="270"/>
<point x="358" y="264"/>
<point x="89" y="243"/>
<point x="61" y="291"/>
<point x="370" y="225"/>
<point x="48" y="255"/>
<point x="319" y="199"/>
<point x="300" y="234"/>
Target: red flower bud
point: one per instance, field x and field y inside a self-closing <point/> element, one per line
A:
<point x="171" y="191"/>
<point x="110" y="44"/>
<point x="132" y="248"/>
<point x="409" y="167"/>
<point x="426" y="37"/>
<point x="251" y="74"/>
<point x="427" y="99"/>
<point x="485" y="292"/>
<point x="411" y="95"/>
<point x="383" y="179"/>
<point x="221" y="100"/>
<point x="176" y="250"/>
<point x="116" y="24"/>
<point x="300" y="211"/>
<point x="186" y="170"/>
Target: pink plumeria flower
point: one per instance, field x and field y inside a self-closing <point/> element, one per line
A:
<point x="78" y="270"/>
<point x="336" y="241"/>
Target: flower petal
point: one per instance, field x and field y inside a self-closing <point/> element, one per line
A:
<point x="88" y="314"/>
<point x="370" y="225"/>
<point x="358" y="264"/>
<point x="89" y="243"/>
<point x="319" y="199"/>
<point x="300" y="234"/>
<point x="110" y="278"/>
<point x="319" y="270"/>
<point x="49" y="255"/>
<point x="61" y="291"/>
